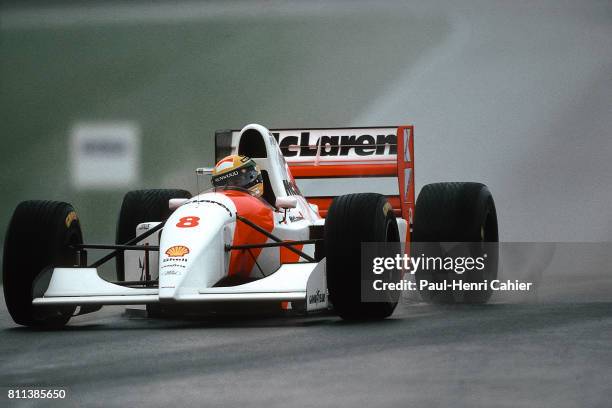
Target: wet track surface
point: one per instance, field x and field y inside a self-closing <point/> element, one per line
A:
<point x="514" y="355"/>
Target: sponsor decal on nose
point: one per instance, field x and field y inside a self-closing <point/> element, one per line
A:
<point x="177" y="251"/>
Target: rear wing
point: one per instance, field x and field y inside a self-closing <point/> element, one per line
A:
<point x="329" y="162"/>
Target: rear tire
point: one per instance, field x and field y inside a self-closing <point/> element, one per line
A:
<point x="142" y="206"/>
<point x="38" y="239"/>
<point x="351" y="220"/>
<point x="456" y="212"/>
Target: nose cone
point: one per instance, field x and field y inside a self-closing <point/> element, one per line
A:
<point x="192" y="247"/>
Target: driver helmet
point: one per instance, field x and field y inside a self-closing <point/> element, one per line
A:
<point x="238" y="171"/>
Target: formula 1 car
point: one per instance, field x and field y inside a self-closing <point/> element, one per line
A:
<point x="295" y="248"/>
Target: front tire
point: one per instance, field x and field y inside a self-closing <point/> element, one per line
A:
<point x="351" y="220"/>
<point x="39" y="238"/>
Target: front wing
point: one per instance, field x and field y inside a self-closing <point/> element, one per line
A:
<point x="303" y="284"/>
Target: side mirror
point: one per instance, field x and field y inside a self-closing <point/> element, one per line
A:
<point x="175" y="203"/>
<point x="201" y="171"/>
<point x="286" y="202"/>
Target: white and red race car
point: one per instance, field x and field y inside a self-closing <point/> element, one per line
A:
<point x="296" y="248"/>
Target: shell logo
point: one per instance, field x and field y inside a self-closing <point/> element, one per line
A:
<point x="177" y="251"/>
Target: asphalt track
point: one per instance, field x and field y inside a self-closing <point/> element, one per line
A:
<point x="547" y="347"/>
<point x="514" y="355"/>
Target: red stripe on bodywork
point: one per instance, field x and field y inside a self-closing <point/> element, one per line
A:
<point x="253" y="209"/>
<point x="287" y="256"/>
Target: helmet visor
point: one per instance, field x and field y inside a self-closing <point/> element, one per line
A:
<point x="245" y="177"/>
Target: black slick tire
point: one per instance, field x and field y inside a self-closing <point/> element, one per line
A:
<point x="456" y="212"/>
<point x="351" y="220"/>
<point x="40" y="237"/>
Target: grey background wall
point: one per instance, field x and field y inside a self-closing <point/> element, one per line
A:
<point x="514" y="95"/>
